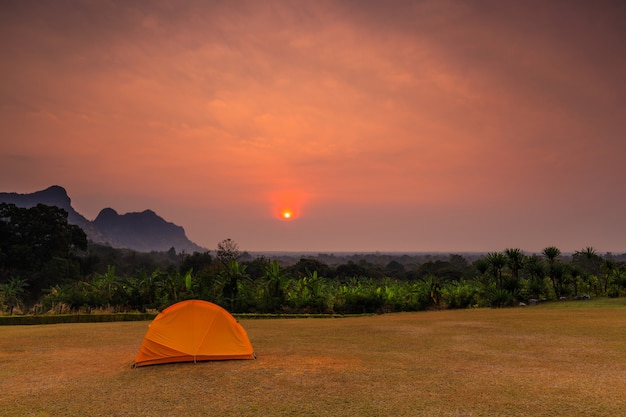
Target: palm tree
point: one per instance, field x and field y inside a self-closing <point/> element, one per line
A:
<point x="559" y="274"/>
<point x="515" y="261"/>
<point x="555" y="269"/>
<point x="433" y="289"/>
<point x="274" y="286"/>
<point x="589" y="252"/>
<point x="576" y="274"/>
<point x="174" y="285"/>
<point x="589" y="263"/>
<point x="12" y="293"/>
<point x="608" y="265"/>
<point x="482" y="266"/>
<point x="108" y="284"/>
<point x="551" y="253"/>
<point x="497" y="261"/>
<point x="148" y="287"/>
<point x="231" y="275"/>
<point x="589" y="260"/>
<point x="309" y="293"/>
<point x="618" y="281"/>
<point x="536" y="272"/>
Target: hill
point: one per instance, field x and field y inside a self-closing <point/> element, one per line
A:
<point x="143" y="232"/>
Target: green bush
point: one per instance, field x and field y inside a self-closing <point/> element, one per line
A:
<point x="461" y="294"/>
<point x="501" y="298"/>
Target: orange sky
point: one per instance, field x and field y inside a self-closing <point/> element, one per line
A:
<point x="383" y="125"/>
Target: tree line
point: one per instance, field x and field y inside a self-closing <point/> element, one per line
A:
<point x="47" y="266"/>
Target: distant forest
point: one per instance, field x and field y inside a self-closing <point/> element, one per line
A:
<point x="47" y="266"/>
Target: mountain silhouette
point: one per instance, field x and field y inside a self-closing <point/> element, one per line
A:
<point x="143" y="232"/>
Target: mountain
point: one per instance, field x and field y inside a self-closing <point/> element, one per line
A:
<point x="143" y="232"/>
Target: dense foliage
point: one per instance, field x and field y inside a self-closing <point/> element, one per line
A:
<point x="46" y="266"/>
<point x="37" y="246"/>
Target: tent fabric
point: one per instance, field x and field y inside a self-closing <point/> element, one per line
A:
<point x="194" y="330"/>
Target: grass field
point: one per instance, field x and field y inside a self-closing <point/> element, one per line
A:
<point x="533" y="361"/>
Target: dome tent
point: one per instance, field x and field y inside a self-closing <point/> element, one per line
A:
<point x="191" y="331"/>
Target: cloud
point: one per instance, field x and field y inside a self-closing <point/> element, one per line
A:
<point x="442" y="105"/>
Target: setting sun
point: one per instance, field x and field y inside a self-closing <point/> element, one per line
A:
<point x="286" y="205"/>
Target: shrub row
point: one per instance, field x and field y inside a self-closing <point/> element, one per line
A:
<point x="103" y="318"/>
<point x="74" y="318"/>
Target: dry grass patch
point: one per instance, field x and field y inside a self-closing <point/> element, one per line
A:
<point x="515" y="362"/>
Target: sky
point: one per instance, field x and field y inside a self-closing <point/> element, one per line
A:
<point x="389" y="126"/>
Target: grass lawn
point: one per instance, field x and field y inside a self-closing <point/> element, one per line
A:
<point x="532" y="361"/>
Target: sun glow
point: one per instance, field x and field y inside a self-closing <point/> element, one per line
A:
<point x="287" y="205"/>
<point x="286" y="214"/>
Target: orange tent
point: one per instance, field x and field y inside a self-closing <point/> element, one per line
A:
<point x="191" y="331"/>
